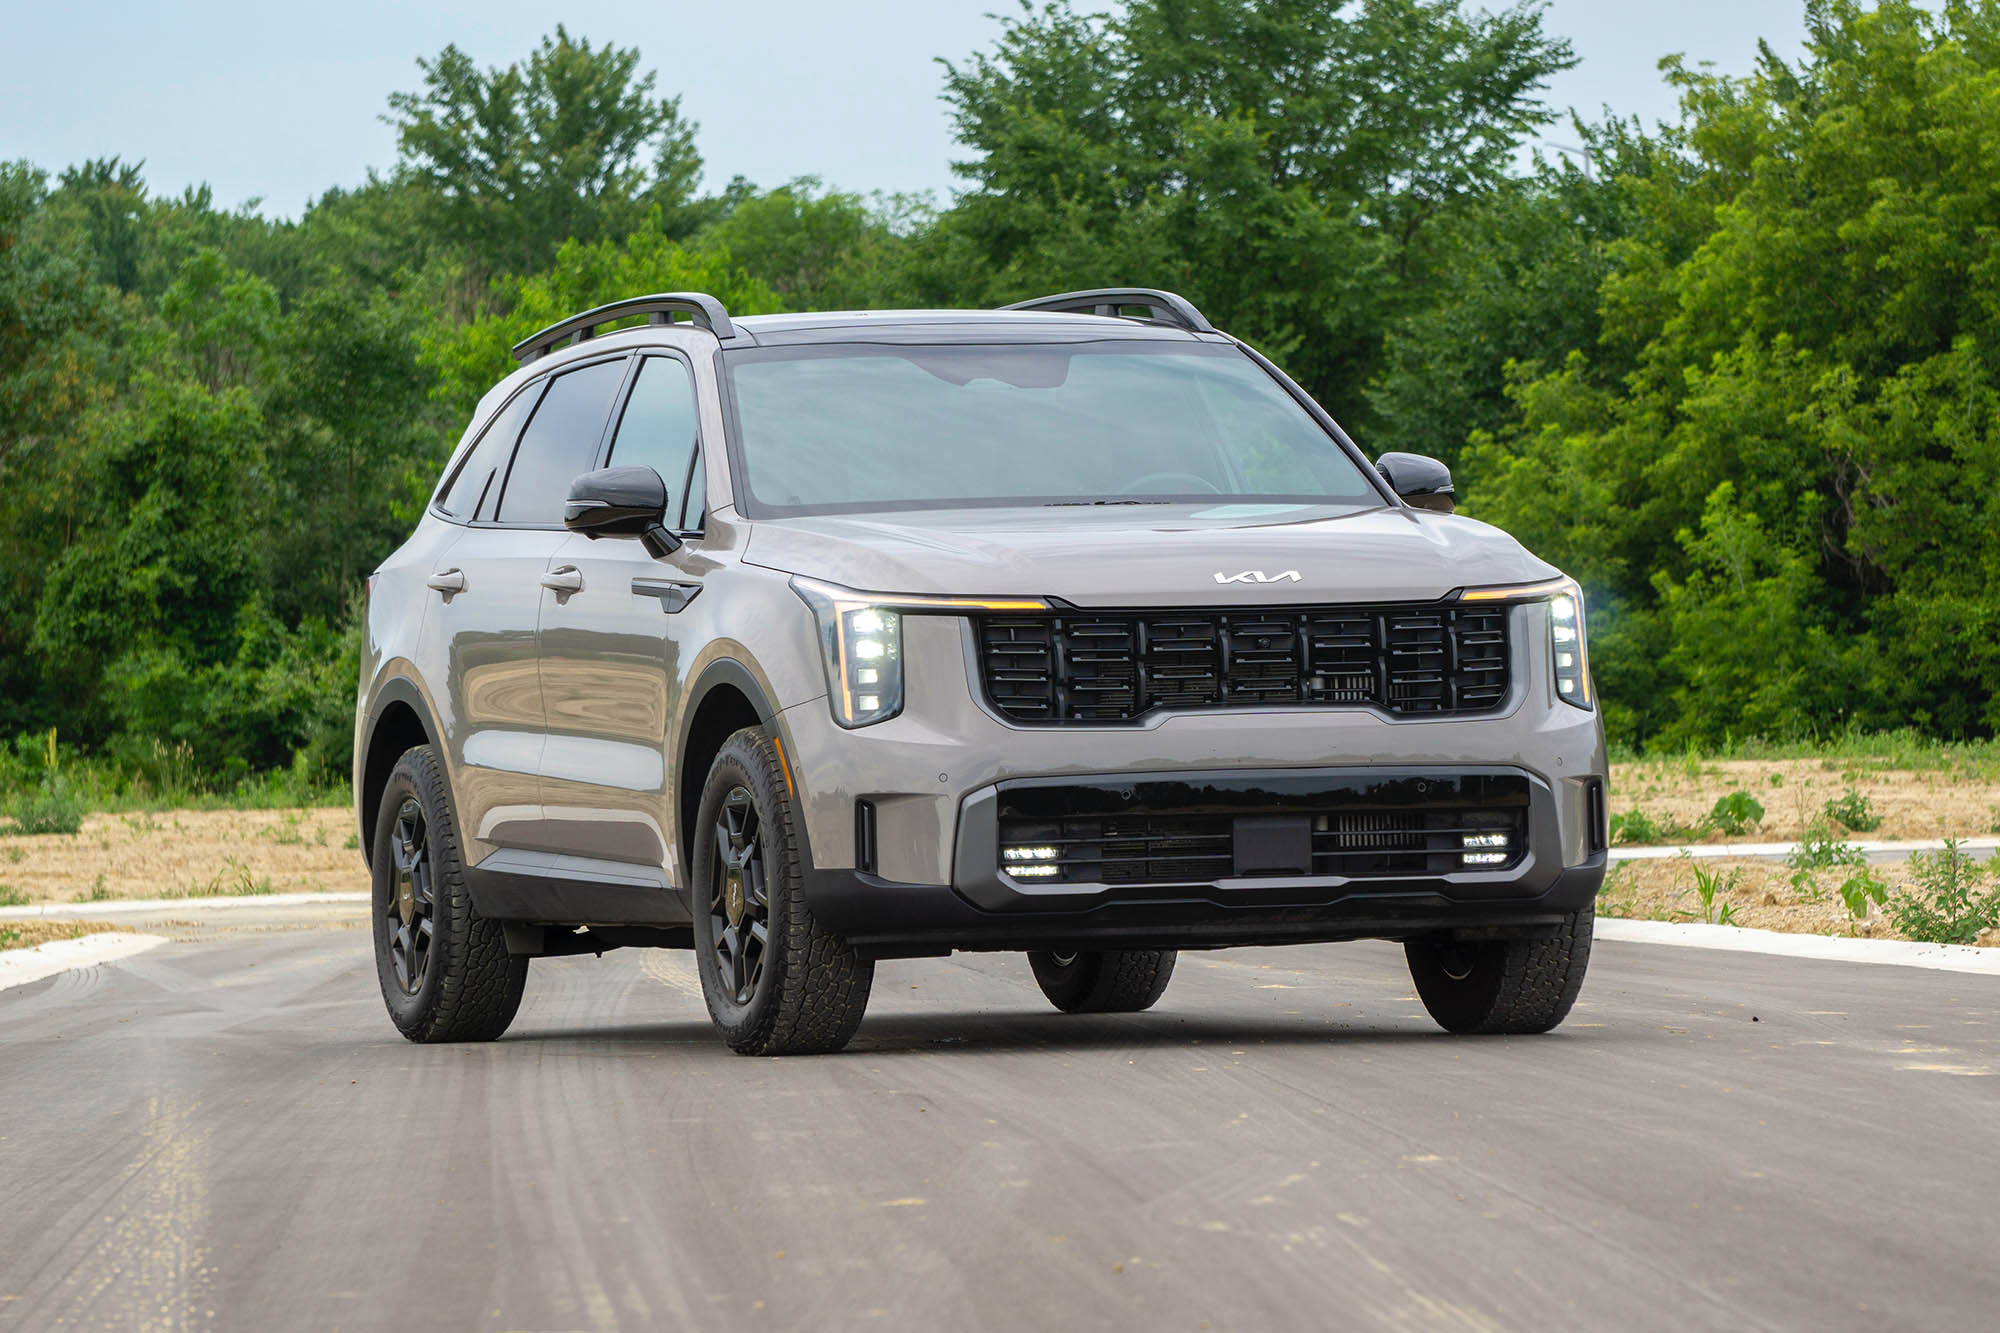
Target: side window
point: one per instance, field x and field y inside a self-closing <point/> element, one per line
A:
<point x="659" y="426"/>
<point x="475" y="476"/>
<point x="560" y="444"/>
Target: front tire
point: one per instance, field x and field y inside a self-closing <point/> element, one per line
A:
<point x="445" y="971"/>
<point x="1107" y="981"/>
<point x="1503" y="986"/>
<point x="775" y="982"/>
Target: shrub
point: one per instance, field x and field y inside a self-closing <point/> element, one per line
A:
<point x="1945" y="907"/>
<point x="1634" y="827"/>
<point x="1736" y="813"/>
<point x="10" y="897"/>
<point x="1852" y="812"/>
<point x="47" y="807"/>
<point x="1819" y="848"/>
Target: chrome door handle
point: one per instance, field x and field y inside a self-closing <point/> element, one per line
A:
<point x="566" y="580"/>
<point x="447" y="582"/>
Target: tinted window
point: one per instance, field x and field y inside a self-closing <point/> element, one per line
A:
<point x="489" y="454"/>
<point x="658" y="428"/>
<point x="560" y="444"/>
<point x="868" y="426"/>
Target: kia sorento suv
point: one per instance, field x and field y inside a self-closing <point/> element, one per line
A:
<point x="1075" y="628"/>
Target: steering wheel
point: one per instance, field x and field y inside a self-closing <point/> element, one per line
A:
<point x="1148" y="483"/>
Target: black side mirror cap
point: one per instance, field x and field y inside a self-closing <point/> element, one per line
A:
<point x="1422" y="482"/>
<point x="621" y="502"/>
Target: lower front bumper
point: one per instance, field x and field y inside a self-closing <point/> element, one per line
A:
<point x="1329" y="894"/>
<point x="885" y="919"/>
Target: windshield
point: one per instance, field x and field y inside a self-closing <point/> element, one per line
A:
<point x="854" y="427"/>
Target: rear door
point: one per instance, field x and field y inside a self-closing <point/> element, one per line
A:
<point x="489" y="586"/>
<point x="610" y="648"/>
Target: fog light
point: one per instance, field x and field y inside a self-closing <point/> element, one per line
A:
<point x="1031" y="853"/>
<point x="1485" y="840"/>
<point x="1485" y="858"/>
<point x="1032" y="872"/>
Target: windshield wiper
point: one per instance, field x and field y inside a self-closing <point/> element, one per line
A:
<point x="1062" y="504"/>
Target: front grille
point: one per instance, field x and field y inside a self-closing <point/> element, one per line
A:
<point x="1199" y="828"/>
<point x="1117" y="666"/>
<point x="1200" y="848"/>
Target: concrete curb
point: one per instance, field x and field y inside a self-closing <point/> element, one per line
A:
<point x="126" y="906"/>
<point x="1978" y="848"/>
<point x="1836" y="948"/>
<point x="18" y="967"/>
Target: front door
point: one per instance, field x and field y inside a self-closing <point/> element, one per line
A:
<point x="610" y="652"/>
<point x="490" y="584"/>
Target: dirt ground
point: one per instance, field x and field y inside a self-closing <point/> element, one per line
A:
<point x="28" y="934"/>
<point x="186" y="854"/>
<point x="1926" y="803"/>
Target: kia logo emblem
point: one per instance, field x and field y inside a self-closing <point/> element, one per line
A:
<point x="1258" y="576"/>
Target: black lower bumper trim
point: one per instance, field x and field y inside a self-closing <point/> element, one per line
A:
<point x="886" y="919"/>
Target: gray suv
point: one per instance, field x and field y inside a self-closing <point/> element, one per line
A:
<point x="1074" y="628"/>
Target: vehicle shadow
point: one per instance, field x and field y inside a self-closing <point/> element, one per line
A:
<point x="949" y="1033"/>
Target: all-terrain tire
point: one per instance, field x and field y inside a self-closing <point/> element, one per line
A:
<point x="811" y="989"/>
<point x="469" y="986"/>
<point x="1105" y="981"/>
<point x="1503" y="986"/>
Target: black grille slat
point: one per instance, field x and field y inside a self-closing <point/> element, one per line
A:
<point x="1168" y="848"/>
<point x="1118" y="666"/>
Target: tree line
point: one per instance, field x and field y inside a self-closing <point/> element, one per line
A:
<point x="1739" y="373"/>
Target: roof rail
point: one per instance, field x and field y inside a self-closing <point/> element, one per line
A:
<point x="1162" y="307"/>
<point x="703" y="310"/>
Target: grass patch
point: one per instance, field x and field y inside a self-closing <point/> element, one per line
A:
<point x="1863" y="751"/>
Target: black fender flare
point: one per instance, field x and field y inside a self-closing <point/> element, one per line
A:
<point x="722" y="671"/>
<point x="394" y="690"/>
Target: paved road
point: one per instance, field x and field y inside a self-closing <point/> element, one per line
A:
<point x="226" y="1132"/>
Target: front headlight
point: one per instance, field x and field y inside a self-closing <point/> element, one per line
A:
<point x="861" y="642"/>
<point x="1569" y="650"/>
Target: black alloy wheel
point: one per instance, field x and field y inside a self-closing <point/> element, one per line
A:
<point x="739" y="900"/>
<point x="411" y="921"/>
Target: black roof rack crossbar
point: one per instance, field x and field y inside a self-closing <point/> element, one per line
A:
<point x="703" y="310"/>
<point x="1162" y="307"/>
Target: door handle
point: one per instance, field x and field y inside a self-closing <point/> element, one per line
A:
<point x="447" y="582"/>
<point x="673" y="596"/>
<point x="563" y="581"/>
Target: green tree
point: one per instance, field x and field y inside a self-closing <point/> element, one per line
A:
<point x="1281" y="163"/>
<point x="1797" y="352"/>
<point x="571" y="143"/>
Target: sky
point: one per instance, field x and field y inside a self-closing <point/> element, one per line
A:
<point x="277" y="102"/>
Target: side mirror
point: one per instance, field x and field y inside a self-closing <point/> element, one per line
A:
<point x="1424" y="483"/>
<point x="621" y="502"/>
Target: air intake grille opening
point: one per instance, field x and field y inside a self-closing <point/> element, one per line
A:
<point x="1099" y="667"/>
<point x="1200" y="848"/>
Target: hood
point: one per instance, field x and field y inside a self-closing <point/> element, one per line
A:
<point x="1170" y="555"/>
